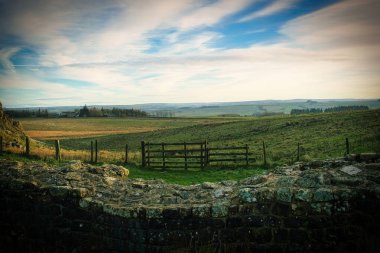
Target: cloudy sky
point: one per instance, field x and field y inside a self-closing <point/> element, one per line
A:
<point x="75" y="52"/>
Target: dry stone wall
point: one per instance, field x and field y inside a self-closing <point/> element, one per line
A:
<point x="322" y="206"/>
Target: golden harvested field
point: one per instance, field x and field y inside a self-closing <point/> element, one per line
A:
<point x="64" y="128"/>
<point x="51" y="135"/>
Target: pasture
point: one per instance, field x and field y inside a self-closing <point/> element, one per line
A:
<point x="320" y="135"/>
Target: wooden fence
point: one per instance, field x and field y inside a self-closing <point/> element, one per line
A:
<point x="174" y="155"/>
<point x="187" y="155"/>
<point x="228" y="154"/>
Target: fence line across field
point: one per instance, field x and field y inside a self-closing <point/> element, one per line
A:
<point x="199" y="155"/>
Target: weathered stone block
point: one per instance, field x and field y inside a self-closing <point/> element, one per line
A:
<point x="323" y="195"/>
<point x="304" y="195"/>
<point x="254" y="221"/>
<point x="219" y="210"/>
<point x="284" y="194"/>
<point x="246" y="195"/>
<point x="201" y="211"/>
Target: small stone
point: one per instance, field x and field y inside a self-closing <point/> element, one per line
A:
<point x="116" y="210"/>
<point x="109" y="180"/>
<point x="59" y="191"/>
<point x="153" y="212"/>
<point x="201" y="211"/>
<point x="350" y="170"/>
<point x="74" y="165"/>
<point x="284" y="194"/>
<point x="229" y="182"/>
<point x="304" y="195"/>
<point x="246" y="195"/>
<point x="221" y="192"/>
<point x="265" y="193"/>
<point x="286" y="181"/>
<point x="323" y="194"/>
<point x="184" y="194"/>
<point x="209" y="185"/>
<point x="219" y="210"/>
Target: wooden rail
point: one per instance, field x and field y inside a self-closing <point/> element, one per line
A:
<point x="221" y="154"/>
<point x="173" y="155"/>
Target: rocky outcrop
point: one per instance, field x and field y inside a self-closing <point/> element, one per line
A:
<point x="308" y="207"/>
<point x="10" y="130"/>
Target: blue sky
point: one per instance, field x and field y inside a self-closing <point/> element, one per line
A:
<point x="126" y="52"/>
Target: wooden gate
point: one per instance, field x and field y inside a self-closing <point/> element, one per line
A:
<point x="174" y="155"/>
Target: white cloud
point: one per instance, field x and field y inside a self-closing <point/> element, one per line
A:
<point x="331" y="53"/>
<point x="5" y="55"/>
<point x="273" y="8"/>
<point x="211" y="14"/>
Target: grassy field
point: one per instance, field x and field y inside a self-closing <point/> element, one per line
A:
<point x="320" y="135"/>
<point x="63" y="128"/>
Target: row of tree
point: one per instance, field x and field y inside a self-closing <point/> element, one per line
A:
<point x="40" y="113"/>
<point x="114" y="112"/>
<point x="332" y="109"/>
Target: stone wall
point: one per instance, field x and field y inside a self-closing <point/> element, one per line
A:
<point x="330" y="206"/>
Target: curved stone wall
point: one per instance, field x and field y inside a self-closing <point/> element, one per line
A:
<point x="323" y="206"/>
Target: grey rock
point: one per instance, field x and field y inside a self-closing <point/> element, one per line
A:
<point x="284" y="194"/>
<point x="350" y="170"/>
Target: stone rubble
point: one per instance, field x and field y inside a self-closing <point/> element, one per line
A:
<point x="109" y="187"/>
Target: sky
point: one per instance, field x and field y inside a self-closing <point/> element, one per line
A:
<point x="118" y="52"/>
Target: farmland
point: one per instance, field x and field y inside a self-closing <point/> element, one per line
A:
<point x="320" y="135"/>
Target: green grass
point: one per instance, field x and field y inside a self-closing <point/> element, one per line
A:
<point x="320" y="136"/>
<point x="178" y="177"/>
<point x="193" y="177"/>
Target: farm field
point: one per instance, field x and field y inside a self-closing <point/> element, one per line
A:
<point x="320" y="135"/>
<point x="63" y="128"/>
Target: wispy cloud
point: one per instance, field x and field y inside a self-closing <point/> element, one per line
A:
<point x="331" y="52"/>
<point x="273" y="8"/>
<point x="5" y="55"/>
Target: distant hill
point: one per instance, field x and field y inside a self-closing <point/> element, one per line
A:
<point x="243" y="108"/>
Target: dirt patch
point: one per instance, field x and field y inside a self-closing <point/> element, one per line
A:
<point x="49" y="135"/>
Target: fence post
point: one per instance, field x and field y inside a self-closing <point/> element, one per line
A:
<point x="147" y="154"/>
<point x="185" y="150"/>
<point x="126" y="154"/>
<point x="57" y="151"/>
<point x="347" y="147"/>
<point x="202" y="156"/>
<point x="1" y="144"/>
<point x="163" y="156"/>
<point x="206" y="153"/>
<point x="298" y="152"/>
<point x="143" y="154"/>
<point x="96" y="151"/>
<point x="265" y="155"/>
<point x="92" y="151"/>
<point x="246" y="154"/>
<point x="27" y="146"/>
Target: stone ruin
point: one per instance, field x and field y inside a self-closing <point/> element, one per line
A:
<point x="320" y="206"/>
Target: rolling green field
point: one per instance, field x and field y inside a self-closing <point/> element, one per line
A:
<point x="320" y="135"/>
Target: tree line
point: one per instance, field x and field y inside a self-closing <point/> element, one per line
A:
<point x="114" y="112"/>
<point x="40" y="113"/>
<point x="331" y="109"/>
